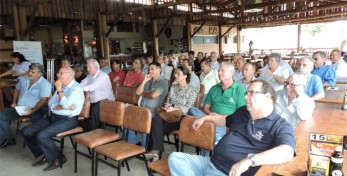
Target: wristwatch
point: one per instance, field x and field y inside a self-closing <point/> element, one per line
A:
<point x="251" y="157"/>
<point x="60" y="92"/>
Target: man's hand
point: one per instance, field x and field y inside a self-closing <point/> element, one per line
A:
<point x="28" y="112"/>
<point x="240" y="167"/>
<point x="58" y="84"/>
<point x="13" y="105"/>
<point x="147" y="78"/>
<point x="197" y="123"/>
<point x="72" y="107"/>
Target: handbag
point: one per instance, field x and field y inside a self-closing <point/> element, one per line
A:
<point x="170" y="117"/>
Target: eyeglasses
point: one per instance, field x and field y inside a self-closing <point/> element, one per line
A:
<point x="252" y="92"/>
<point x="286" y="83"/>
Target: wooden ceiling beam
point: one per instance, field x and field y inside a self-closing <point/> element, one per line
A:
<point x="152" y="7"/>
<point x="31" y="20"/>
<point x="28" y="4"/>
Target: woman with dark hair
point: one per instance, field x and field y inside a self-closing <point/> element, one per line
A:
<point x="117" y="75"/>
<point x="181" y="97"/>
<point x="20" y="68"/>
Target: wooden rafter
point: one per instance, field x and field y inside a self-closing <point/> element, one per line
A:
<point x="31" y="20"/>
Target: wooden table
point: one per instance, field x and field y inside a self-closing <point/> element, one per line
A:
<point x="328" y="119"/>
<point x="5" y="83"/>
<point x="334" y="96"/>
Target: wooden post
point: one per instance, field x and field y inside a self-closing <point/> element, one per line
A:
<point x="105" y="39"/>
<point x="22" y="22"/>
<point x="100" y="39"/>
<point x="220" y="44"/>
<point x="16" y="22"/>
<point x="238" y="38"/>
<point x="189" y="38"/>
<point x="299" y="39"/>
<point x="155" y="38"/>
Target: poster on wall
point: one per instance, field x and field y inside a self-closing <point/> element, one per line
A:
<point x="32" y="50"/>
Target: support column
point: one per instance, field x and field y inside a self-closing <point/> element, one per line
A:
<point x="15" y="17"/>
<point x="238" y="38"/>
<point x="220" y="44"/>
<point x="189" y="37"/>
<point x="50" y="42"/>
<point x="22" y="23"/>
<point x="99" y="39"/>
<point x="105" y="39"/>
<point x="155" y="38"/>
<point x="299" y="39"/>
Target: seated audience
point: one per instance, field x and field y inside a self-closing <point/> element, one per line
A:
<point x="65" y="105"/>
<point x="104" y="65"/>
<point x="338" y="64"/>
<point x="248" y="72"/>
<point x="197" y="63"/>
<point x="149" y="59"/>
<point x="31" y="91"/>
<point x="292" y="103"/>
<point x="181" y="97"/>
<point x="117" y="75"/>
<point x="79" y="74"/>
<point x="99" y="85"/>
<point x="208" y="78"/>
<point x="223" y="98"/>
<point x="166" y="71"/>
<point x="325" y="72"/>
<point x="180" y="59"/>
<point x="153" y="90"/>
<point x="314" y="86"/>
<point x="239" y="63"/>
<point x="134" y="77"/>
<point x="214" y="60"/>
<point x="259" y="66"/>
<point x="274" y="73"/>
<point x="258" y="136"/>
<point x="144" y="64"/>
<point x="20" y="67"/>
<point x="65" y="62"/>
<point x="194" y="79"/>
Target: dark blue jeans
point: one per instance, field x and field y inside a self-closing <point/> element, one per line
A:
<point x="9" y="114"/>
<point x="38" y="136"/>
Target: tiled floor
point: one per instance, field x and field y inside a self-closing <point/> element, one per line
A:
<point x="16" y="160"/>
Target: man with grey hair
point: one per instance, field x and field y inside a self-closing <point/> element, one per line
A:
<point x="325" y="72"/>
<point x="66" y="104"/>
<point x="166" y="71"/>
<point x="214" y="60"/>
<point x="338" y="64"/>
<point x="223" y="98"/>
<point x="275" y="74"/>
<point x="32" y="93"/>
<point x="99" y="85"/>
<point x="314" y="87"/>
<point x="208" y="77"/>
<point x="292" y="103"/>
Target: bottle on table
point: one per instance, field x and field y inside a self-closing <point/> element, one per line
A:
<point x="336" y="162"/>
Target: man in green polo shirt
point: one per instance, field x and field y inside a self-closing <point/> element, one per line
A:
<point x="223" y="98"/>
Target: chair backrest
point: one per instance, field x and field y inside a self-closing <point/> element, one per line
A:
<point x="199" y="97"/>
<point x="127" y="94"/>
<point x="204" y="137"/>
<point x="86" y="106"/>
<point x="112" y="112"/>
<point x="114" y="88"/>
<point x="138" y="119"/>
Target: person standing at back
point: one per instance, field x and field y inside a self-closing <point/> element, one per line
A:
<point x="99" y="85"/>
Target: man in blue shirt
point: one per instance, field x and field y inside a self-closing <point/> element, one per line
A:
<point x="325" y="72"/>
<point x="258" y="136"/>
<point x="66" y="104"/>
<point x="32" y="92"/>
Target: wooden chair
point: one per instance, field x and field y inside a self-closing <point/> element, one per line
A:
<point x="138" y="119"/>
<point x="83" y="117"/>
<point x="127" y="95"/>
<point x="203" y="138"/>
<point x="112" y="113"/>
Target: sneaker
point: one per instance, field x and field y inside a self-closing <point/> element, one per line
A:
<point x="152" y="156"/>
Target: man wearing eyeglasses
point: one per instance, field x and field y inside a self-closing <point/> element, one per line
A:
<point x="258" y="136"/>
<point x="66" y="104"/>
<point x="32" y="94"/>
<point x="292" y="103"/>
<point x="325" y="72"/>
<point x="338" y="64"/>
